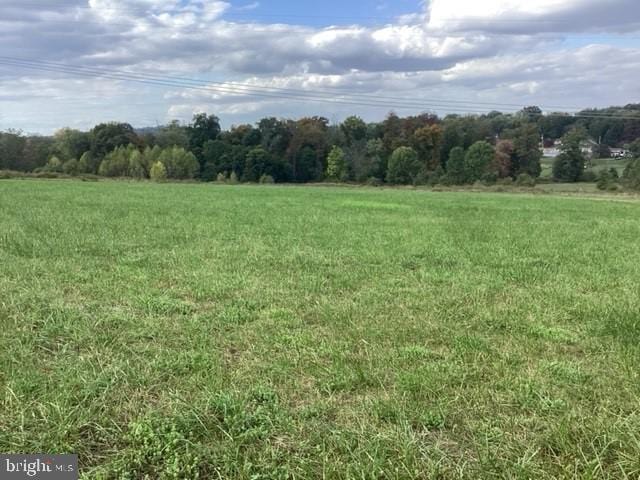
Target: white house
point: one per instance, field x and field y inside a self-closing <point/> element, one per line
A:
<point x="551" y="152"/>
<point x="619" y="153"/>
<point x="586" y="146"/>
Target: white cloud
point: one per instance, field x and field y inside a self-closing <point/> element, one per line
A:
<point x="533" y="16"/>
<point x="248" y="7"/>
<point x="496" y="50"/>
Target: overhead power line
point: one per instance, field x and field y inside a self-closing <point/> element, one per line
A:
<point x="155" y="81"/>
<point x="326" y="92"/>
<point x="234" y="90"/>
<point x="264" y="92"/>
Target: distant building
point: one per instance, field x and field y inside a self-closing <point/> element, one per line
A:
<point x="587" y="147"/>
<point x="551" y="152"/>
<point x="619" y="153"/>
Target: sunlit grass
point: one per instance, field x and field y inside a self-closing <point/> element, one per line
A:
<point x="299" y="332"/>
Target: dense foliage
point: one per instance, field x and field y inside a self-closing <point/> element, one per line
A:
<point x="569" y="165"/>
<point x="412" y="150"/>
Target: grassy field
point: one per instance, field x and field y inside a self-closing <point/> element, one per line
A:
<point x="597" y="165"/>
<point x="185" y="331"/>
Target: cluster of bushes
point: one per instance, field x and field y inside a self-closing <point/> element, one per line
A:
<point x="608" y="179"/>
<point x="8" y="174"/>
<point x="155" y="163"/>
<point x="631" y="175"/>
<point x="232" y="179"/>
<point x="509" y="162"/>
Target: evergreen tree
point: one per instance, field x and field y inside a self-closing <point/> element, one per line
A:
<point x="456" y="167"/>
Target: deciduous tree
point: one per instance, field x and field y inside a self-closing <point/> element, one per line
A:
<point x="158" y="172"/>
<point x="478" y="160"/>
<point x="426" y="141"/>
<point x="179" y="163"/>
<point x="569" y="165"/>
<point x="202" y="129"/>
<point x="404" y="166"/>
<point x="504" y="158"/>
<point x="106" y="137"/>
<point x="336" y="165"/>
<point x="526" y="142"/>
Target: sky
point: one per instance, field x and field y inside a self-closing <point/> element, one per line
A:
<point x="77" y="63"/>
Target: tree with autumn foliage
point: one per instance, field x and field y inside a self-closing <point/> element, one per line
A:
<point x="504" y="158"/>
<point x="426" y="141"/>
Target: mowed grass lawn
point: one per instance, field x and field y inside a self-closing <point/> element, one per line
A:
<point x="185" y="331"/>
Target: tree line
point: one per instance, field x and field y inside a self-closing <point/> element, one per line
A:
<point x="422" y="149"/>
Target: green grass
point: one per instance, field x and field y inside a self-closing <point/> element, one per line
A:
<point x="619" y="164"/>
<point x="178" y="331"/>
<point x="597" y="165"/>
